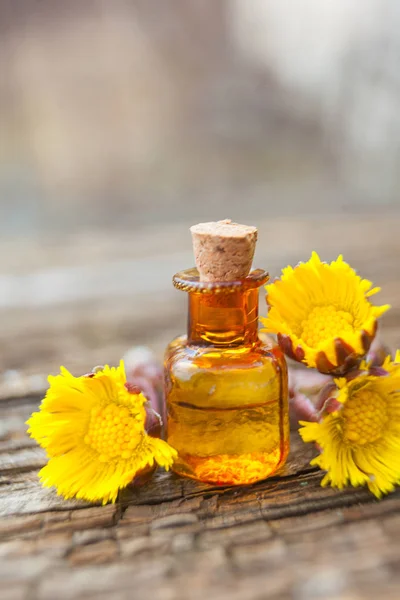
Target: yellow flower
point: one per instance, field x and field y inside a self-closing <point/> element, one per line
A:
<point x="360" y="441"/>
<point x="322" y="314"/>
<point x="93" y="430"/>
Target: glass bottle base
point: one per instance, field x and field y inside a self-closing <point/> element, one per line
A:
<point x="226" y="469"/>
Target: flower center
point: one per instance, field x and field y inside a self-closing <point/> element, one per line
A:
<point x="325" y="322"/>
<point x="113" y="432"/>
<point x="365" y="417"/>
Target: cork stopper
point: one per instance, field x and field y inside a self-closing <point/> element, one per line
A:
<point x="223" y="250"/>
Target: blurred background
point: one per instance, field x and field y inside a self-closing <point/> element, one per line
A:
<point x="122" y="123"/>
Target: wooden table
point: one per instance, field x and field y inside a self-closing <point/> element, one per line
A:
<point x="175" y="539"/>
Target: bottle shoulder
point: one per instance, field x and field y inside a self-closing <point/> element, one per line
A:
<point x="262" y="353"/>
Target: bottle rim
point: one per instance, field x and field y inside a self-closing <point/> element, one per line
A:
<point x="189" y="281"/>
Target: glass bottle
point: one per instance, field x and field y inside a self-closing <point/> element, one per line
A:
<point x="226" y="390"/>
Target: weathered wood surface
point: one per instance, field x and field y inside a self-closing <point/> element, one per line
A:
<point x="174" y="539"/>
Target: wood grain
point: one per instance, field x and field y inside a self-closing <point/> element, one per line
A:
<point x="174" y="538"/>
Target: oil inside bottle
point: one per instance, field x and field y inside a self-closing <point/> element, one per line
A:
<point x="226" y="401"/>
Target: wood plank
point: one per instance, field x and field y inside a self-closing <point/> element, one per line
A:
<point x="172" y="534"/>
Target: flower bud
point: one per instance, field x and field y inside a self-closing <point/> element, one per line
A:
<point x="303" y="386"/>
<point x="145" y="372"/>
<point x="326" y="401"/>
<point x="377" y="354"/>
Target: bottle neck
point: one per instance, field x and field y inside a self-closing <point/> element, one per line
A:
<point x="223" y="319"/>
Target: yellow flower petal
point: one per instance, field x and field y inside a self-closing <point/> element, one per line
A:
<point x="93" y="431"/>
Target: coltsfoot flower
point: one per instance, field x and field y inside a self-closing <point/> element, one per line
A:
<point x="359" y="432"/>
<point x="322" y="314"/>
<point x="93" y="429"/>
